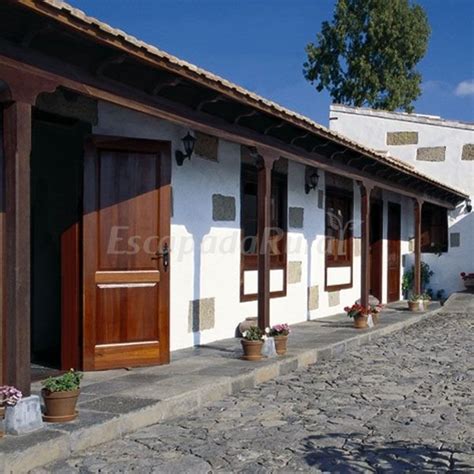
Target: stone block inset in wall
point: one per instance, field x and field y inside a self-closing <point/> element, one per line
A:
<point x="223" y="208"/>
<point x="294" y="272"/>
<point x="206" y="146"/>
<point x="468" y="152"/>
<point x="402" y="138"/>
<point x="296" y="217"/>
<point x="411" y="245"/>
<point x="201" y="314"/>
<point x="454" y="239"/>
<point x="313" y="297"/>
<point x="357" y="247"/>
<point x="432" y="153"/>
<point x="334" y="298"/>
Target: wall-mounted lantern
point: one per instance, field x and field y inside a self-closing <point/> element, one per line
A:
<point x="312" y="179"/>
<point x="188" y="143"/>
<point x="468" y="205"/>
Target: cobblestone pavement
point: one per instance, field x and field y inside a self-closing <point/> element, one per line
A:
<point x="402" y="403"/>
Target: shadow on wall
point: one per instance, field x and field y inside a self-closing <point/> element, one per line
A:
<point x="459" y="258"/>
<point x="348" y="453"/>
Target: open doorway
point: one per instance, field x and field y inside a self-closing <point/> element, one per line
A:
<point x="56" y="207"/>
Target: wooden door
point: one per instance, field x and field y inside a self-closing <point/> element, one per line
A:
<point x="376" y="248"/>
<point x="393" y="237"/>
<point x="126" y="225"/>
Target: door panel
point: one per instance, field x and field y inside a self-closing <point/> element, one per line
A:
<point x="126" y="221"/>
<point x="376" y="241"/>
<point x="393" y="236"/>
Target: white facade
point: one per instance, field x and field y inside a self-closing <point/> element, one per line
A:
<point x="439" y="148"/>
<point x="205" y="257"/>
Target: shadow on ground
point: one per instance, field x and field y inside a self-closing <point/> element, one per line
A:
<point x="357" y="455"/>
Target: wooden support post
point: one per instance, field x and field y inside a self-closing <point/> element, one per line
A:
<point x="417" y="273"/>
<point x="265" y="166"/>
<point x="365" y="190"/>
<point x="16" y="285"/>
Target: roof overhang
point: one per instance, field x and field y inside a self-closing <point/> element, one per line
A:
<point x="97" y="60"/>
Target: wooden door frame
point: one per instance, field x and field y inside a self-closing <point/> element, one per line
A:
<point x="119" y="143"/>
<point x="399" y="207"/>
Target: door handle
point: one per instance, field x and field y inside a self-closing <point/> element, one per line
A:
<point x="165" y="255"/>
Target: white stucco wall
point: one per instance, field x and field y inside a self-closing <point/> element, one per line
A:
<point x="205" y="255"/>
<point x="370" y="127"/>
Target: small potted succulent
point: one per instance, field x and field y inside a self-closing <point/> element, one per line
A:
<point x="280" y="333"/>
<point x="359" y="314"/>
<point x="252" y="343"/>
<point x="9" y="397"/>
<point x="60" y="396"/>
<point x="468" y="279"/>
<point x="375" y="311"/>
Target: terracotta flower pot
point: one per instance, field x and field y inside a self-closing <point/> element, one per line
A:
<point x="281" y="344"/>
<point x="360" y="322"/>
<point x="469" y="283"/>
<point x="252" y="350"/>
<point x="416" y="305"/>
<point x="60" y="406"/>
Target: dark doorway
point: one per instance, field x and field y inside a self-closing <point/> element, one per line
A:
<point x="376" y="248"/>
<point x="393" y="237"/>
<point x="56" y="206"/>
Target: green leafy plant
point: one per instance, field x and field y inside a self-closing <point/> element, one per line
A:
<point x="409" y="276"/>
<point x="254" y="333"/>
<point x="367" y="55"/>
<point x="64" y="383"/>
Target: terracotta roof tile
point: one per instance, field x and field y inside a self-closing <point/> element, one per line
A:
<point x="213" y="78"/>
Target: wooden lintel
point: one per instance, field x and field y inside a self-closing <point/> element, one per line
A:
<point x="159" y="107"/>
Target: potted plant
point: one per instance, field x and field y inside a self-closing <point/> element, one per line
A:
<point x="60" y="396"/>
<point x="426" y="298"/>
<point x="416" y="303"/>
<point x="359" y="314"/>
<point x="9" y="397"/>
<point x="375" y="311"/>
<point x="280" y="333"/>
<point x="468" y="279"/>
<point x="409" y="277"/>
<point x="252" y="342"/>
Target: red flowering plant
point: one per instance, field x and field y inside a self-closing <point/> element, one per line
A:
<point x="356" y="310"/>
<point x="467" y="276"/>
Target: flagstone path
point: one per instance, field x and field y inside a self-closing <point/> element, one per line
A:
<point x="402" y="403"/>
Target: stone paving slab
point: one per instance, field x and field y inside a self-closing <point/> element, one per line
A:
<point x="118" y="402"/>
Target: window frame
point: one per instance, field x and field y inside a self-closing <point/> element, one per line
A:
<point x="279" y="261"/>
<point x="329" y="261"/>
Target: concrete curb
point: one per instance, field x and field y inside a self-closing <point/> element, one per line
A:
<point x="51" y="445"/>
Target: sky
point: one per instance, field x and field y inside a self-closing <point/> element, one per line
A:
<point x="260" y="45"/>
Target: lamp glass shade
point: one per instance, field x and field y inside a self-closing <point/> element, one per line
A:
<point x="188" y="142"/>
<point x="314" y="178"/>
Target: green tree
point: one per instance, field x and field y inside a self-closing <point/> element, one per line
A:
<point x="368" y="53"/>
